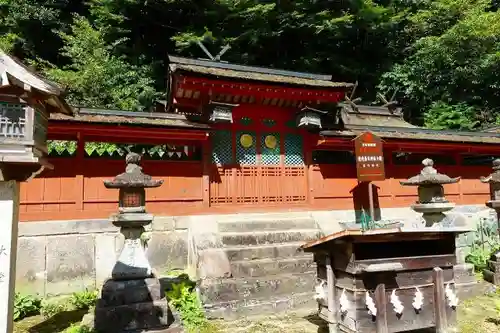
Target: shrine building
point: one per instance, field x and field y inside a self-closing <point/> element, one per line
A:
<point x="250" y="139"/>
<point x="254" y="162"/>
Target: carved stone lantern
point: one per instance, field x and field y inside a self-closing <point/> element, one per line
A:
<point x="494" y="181"/>
<point x="492" y="272"/>
<point x="431" y="201"/>
<point x="133" y="299"/>
<point x="310" y="118"/>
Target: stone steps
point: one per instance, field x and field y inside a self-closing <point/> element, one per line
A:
<point x="254" y="307"/>
<point x="272" y="266"/>
<point x="267" y="251"/>
<point x="250" y="288"/>
<point x="270" y="273"/>
<point x="267" y="225"/>
<point x="269" y="237"/>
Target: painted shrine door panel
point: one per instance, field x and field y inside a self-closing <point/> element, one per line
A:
<point x="258" y="161"/>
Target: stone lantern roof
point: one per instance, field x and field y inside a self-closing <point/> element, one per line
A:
<point x="429" y="176"/>
<point x="495" y="176"/>
<point x="133" y="177"/>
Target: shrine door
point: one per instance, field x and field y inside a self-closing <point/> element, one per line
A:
<point x="258" y="160"/>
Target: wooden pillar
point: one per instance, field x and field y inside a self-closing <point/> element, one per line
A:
<point x="308" y="149"/>
<point x="439" y="300"/>
<point x="381" y="304"/>
<point x="207" y="163"/>
<point x="80" y="167"/>
<point x="332" y="309"/>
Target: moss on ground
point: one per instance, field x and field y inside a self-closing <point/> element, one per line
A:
<point x="478" y="315"/>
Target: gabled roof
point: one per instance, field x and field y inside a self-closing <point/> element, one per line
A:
<point x="391" y="125"/>
<point x="99" y="116"/>
<point x="388" y="233"/>
<point x="251" y="73"/>
<point x="365" y="115"/>
<point x="13" y="73"/>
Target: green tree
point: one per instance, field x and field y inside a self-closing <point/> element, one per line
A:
<point x="443" y="116"/>
<point x="457" y="63"/>
<point x="95" y="77"/>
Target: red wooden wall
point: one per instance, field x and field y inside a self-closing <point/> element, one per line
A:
<point x="75" y="190"/>
<point x="333" y="185"/>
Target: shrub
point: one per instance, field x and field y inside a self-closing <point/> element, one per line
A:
<point x="53" y="307"/>
<point x="78" y="328"/>
<point x="184" y="299"/>
<point x="84" y="300"/>
<point x="26" y="305"/>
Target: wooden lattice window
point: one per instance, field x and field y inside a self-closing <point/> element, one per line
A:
<point x="246" y="152"/>
<point x="270" y="146"/>
<point x="12" y="120"/>
<point x="294" y="152"/>
<point x="222" y="151"/>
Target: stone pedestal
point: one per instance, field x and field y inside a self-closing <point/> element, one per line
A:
<point x="492" y="273"/>
<point x="9" y="207"/>
<point x="133" y="299"/>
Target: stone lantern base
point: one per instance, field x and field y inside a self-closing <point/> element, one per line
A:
<point x="492" y="273"/>
<point x="133" y="306"/>
<point x="133" y="300"/>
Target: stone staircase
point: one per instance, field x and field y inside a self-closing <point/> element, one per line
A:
<point x="269" y="272"/>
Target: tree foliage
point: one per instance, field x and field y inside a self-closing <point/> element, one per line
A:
<point x="442" y="56"/>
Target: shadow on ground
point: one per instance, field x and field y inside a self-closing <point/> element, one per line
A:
<point x="56" y="323"/>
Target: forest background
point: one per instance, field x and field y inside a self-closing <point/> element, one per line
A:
<point x="442" y="56"/>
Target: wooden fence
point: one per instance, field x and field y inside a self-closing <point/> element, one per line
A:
<point x="75" y="190"/>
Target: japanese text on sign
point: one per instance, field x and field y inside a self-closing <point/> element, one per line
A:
<point x="369" y="157"/>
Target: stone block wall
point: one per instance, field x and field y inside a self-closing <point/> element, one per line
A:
<point x="61" y="257"/>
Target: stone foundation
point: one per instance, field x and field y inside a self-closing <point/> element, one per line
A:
<point x="61" y="257"/>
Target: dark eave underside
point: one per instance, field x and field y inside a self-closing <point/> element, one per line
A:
<point x="264" y="75"/>
<point x="129" y="118"/>
<point x="418" y="133"/>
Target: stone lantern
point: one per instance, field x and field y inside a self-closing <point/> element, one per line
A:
<point x="494" y="181"/>
<point x="431" y="201"/>
<point x="133" y="299"/>
<point x="492" y="273"/>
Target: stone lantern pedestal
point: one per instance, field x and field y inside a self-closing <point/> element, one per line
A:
<point x="492" y="273"/>
<point x="431" y="201"/>
<point x="133" y="299"/>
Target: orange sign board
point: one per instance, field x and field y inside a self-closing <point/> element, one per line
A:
<point x="369" y="157"/>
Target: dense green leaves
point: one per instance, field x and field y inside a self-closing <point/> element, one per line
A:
<point x="442" y="56"/>
<point x="95" y="77"/>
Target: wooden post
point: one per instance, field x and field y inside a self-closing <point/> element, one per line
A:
<point x="9" y="217"/>
<point x="381" y="304"/>
<point x="332" y="309"/>
<point x="80" y="167"/>
<point x="207" y="164"/>
<point x="372" y="204"/>
<point x="439" y="300"/>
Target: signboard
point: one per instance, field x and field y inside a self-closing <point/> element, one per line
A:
<point x="369" y="157"/>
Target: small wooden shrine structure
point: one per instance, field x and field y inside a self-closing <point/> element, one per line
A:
<point x="393" y="279"/>
<point x="387" y="280"/>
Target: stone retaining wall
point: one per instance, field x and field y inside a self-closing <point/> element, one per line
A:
<point x="60" y="257"/>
